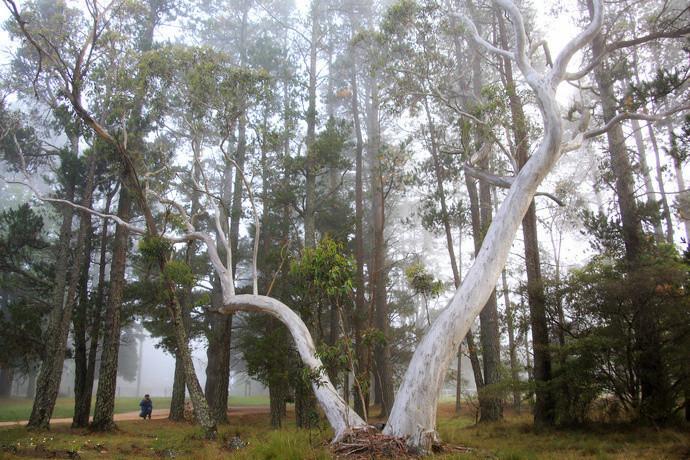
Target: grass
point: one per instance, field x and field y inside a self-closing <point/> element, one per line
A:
<point x="512" y="439"/>
<point x="15" y="409"/>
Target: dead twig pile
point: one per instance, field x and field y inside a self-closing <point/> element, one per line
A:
<point x="371" y="443"/>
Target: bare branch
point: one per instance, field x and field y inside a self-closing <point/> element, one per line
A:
<point x="521" y="43"/>
<point x="561" y="63"/>
<point x="257" y="223"/>
<point x="634" y="116"/>
<point x="132" y="228"/>
<point x="679" y="33"/>
<point x="479" y="40"/>
<point x="503" y="181"/>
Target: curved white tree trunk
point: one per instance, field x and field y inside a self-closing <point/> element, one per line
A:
<point x="414" y="412"/>
<point x="341" y="417"/>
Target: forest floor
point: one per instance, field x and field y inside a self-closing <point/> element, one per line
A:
<point x="514" y="439"/>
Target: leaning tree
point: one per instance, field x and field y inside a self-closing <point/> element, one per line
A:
<point x="413" y="414"/>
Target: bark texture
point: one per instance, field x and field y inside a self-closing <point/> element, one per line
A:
<point x="50" y="374"/>
<point x="655" y="401"/>
<point x="107" y="376"/>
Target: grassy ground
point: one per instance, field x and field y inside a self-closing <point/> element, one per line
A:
<point x="512" y="439"/>
<point x="14" y="409"/>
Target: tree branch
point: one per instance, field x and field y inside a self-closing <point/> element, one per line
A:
<point x="503" y="181"/>
<point x="679" y="33"/>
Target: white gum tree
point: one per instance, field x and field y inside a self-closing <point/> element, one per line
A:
<point x="413" y="414"/>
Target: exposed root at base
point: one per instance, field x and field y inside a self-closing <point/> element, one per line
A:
<point x="369" y="443"/>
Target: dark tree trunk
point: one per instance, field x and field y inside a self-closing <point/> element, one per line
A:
<point x="50" y="374"/>
<point x="82" y="266"/>
<point x="458" y="382"/>
<point x="31" y="382"/>
<point x="361" y="314"/>
<point x="490" y="403"/>
<point x="512" y="349"/>
<point x="6" y="378"/>
<point x="178" y="392"/>
<point x="276" y="393"/>
<point x="310" y="167"/>
<point x="196" y="394"/>
<point x="378" y="274"/>
<point x="218" y="367"/>
<point x="544" y="409"/>
<point x="82" y="407"/>
<point x="107" y="376"/>
<point x="81" y="363"/>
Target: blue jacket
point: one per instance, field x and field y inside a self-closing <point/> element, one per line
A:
<point x="146" y="404"/>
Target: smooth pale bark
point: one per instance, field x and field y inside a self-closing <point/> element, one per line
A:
<point x="339" y="415"/>
<point x="414" y="411"/>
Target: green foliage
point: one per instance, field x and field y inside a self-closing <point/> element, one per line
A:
<point x="25" y="287"/>
<point x="422" y="282"/>
<point x="179" y="273"/>
<point x="607" y="346"/>
<point x="154" y="249"/>
<point x="323" y="272"/>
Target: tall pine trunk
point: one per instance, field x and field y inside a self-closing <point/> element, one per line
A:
<point x="361" y="314"/>
<point x="654" y="386"/>
<point x="178" y="392"/>
<point x="50" y="374"/>
<point x="82" y="266"/>
<point x="378" y="273"/>
<point x="107" y="376"/>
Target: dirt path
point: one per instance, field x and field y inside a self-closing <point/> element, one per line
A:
<point x="156" y="415"/>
